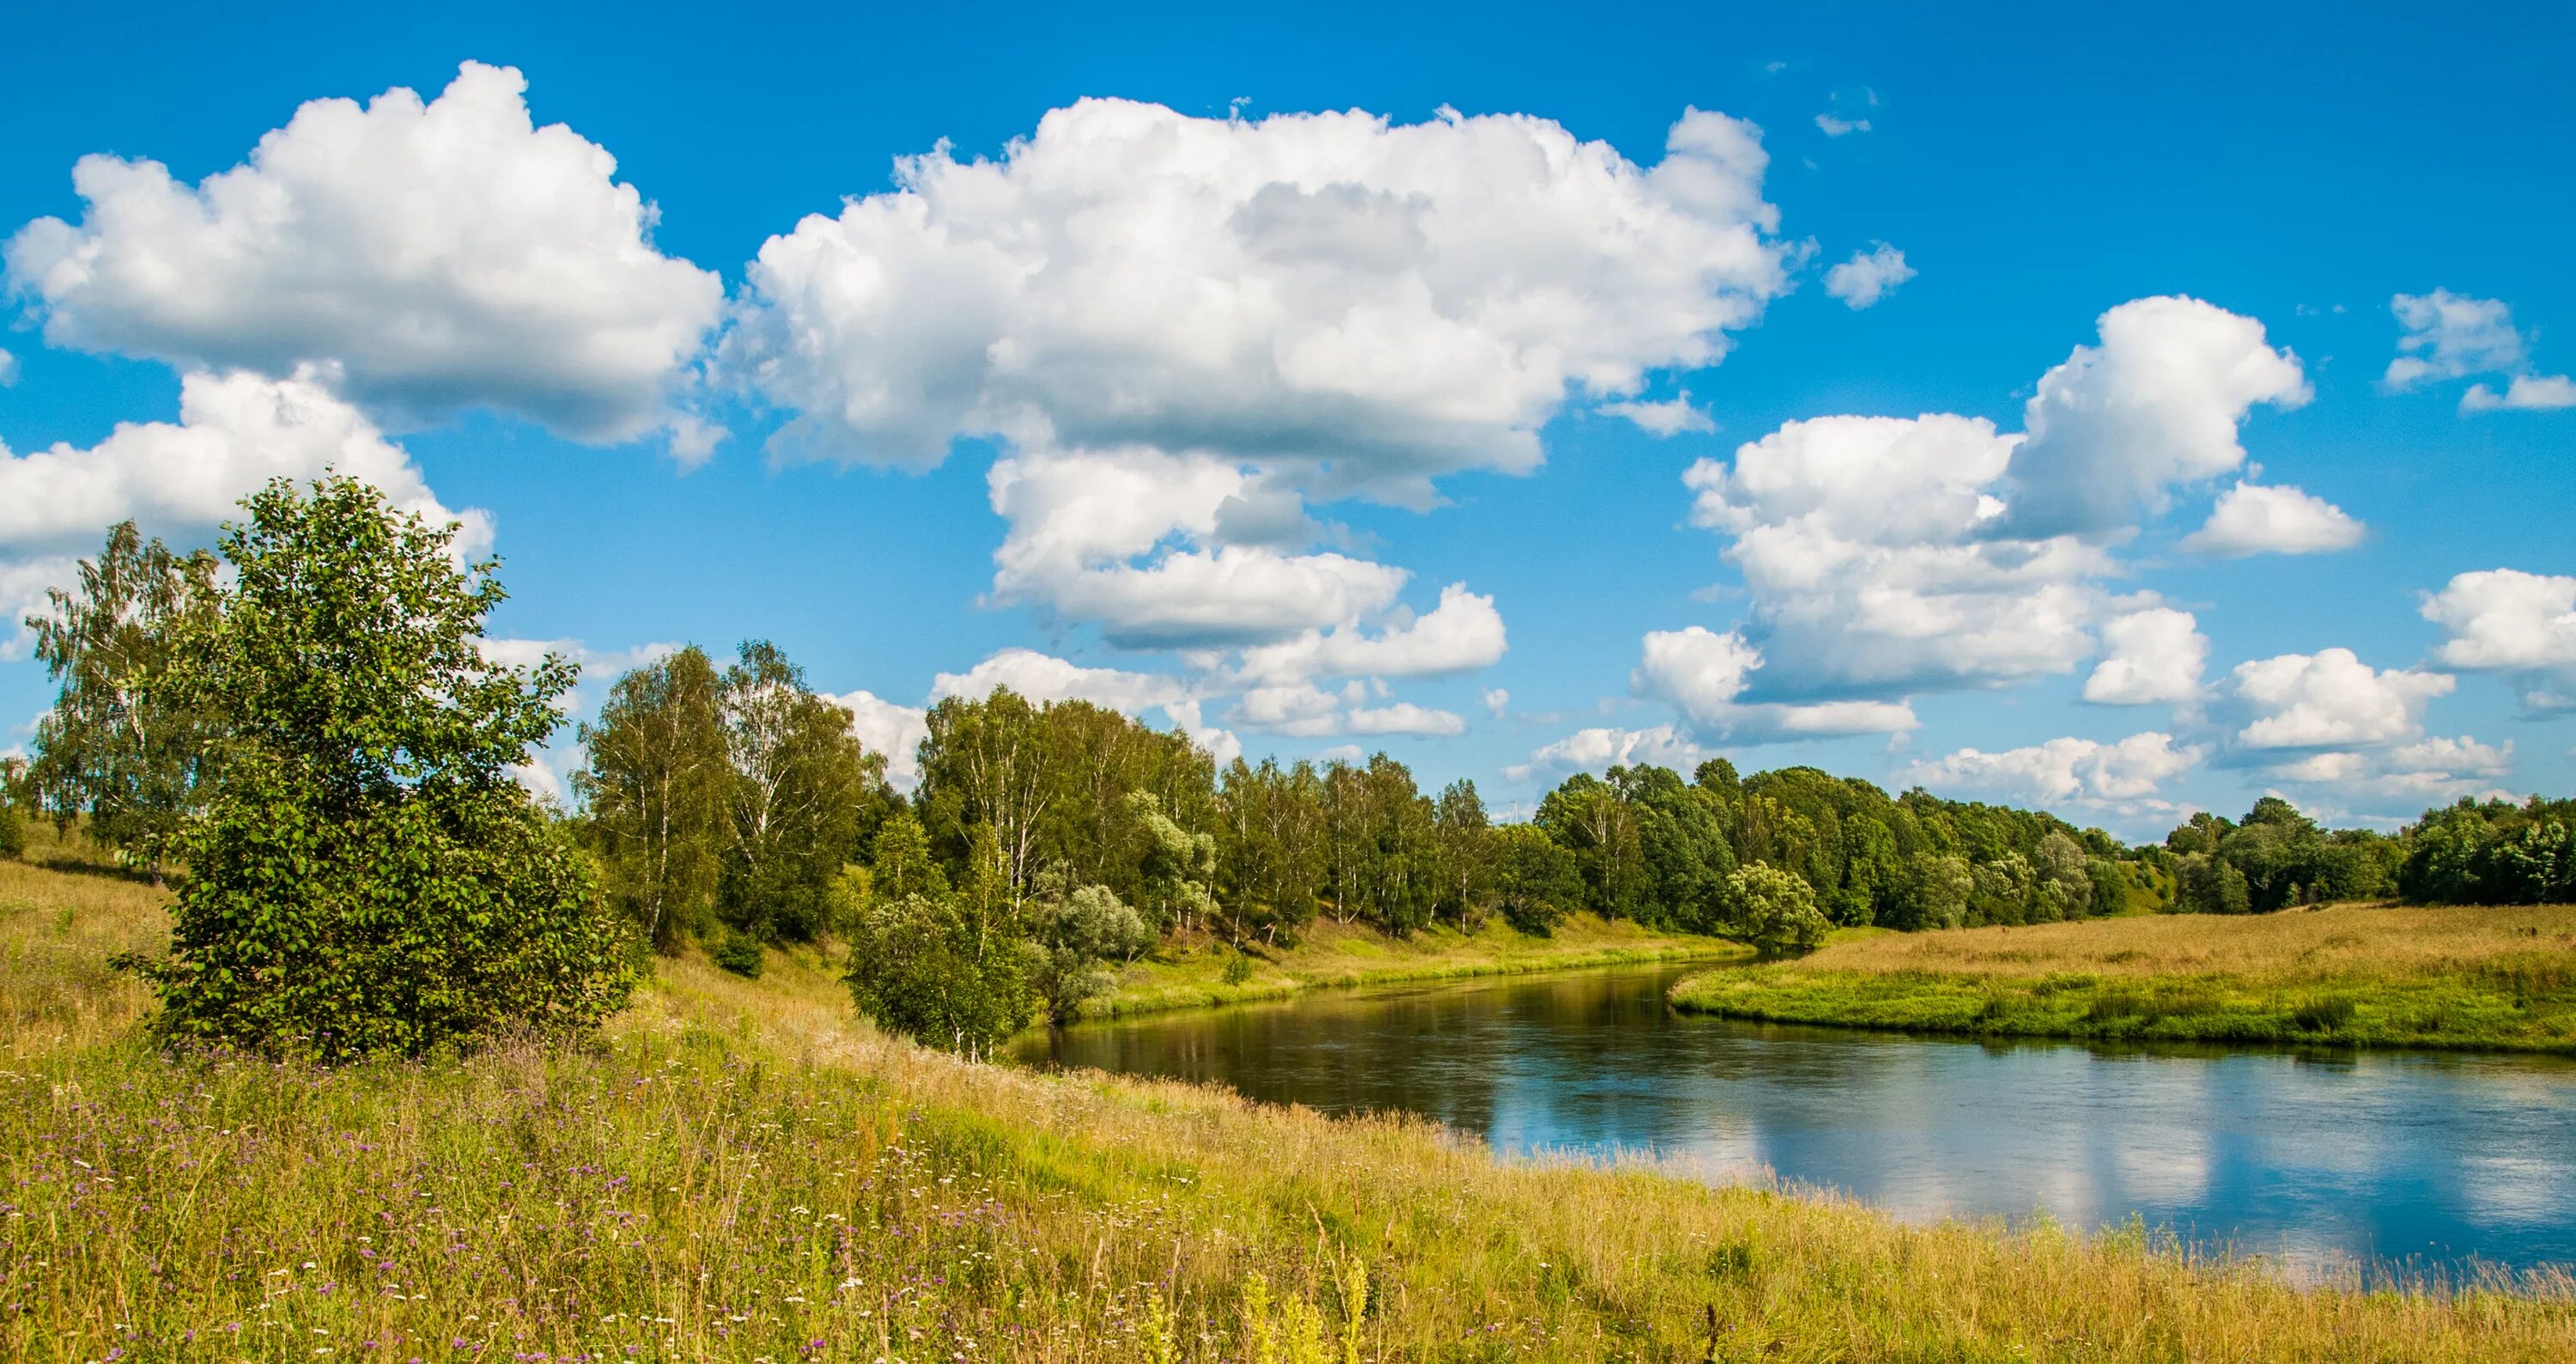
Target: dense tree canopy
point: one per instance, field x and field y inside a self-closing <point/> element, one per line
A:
<point x="369" y="876"/>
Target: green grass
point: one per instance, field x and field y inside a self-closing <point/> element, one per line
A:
<point x="2501" y="979"/>
<point x="741" y="1170"/>
<point x="1193" y="975"/>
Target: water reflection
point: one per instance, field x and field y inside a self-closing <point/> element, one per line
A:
<point x="2318" y="1158"/>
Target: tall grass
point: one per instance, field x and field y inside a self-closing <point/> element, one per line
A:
<point x="2355" y="975"/>
<point x="740" y="1170"/>
<point x="1204" y="973"/>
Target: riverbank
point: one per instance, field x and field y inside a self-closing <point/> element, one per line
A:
<point x="1195" y="976"/>
<point x="2498" y="979"/>
<point x="741" y="1170"/>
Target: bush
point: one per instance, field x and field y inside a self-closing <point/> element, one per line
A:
<point x="1775" y="911"/>
<point x="2323" y="1015"/>
<point x="369" y="878"/>
<point x="740" y="953"/>
<point x="1238" y="968"/>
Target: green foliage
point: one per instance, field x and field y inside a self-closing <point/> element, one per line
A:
<point x="654" y="786"/>
<point x="949" y="969"/>
<point x="799" y="789"/>
<point x="120" y="745"/>
<point x="1075" y="937"/>
<point x="1539" y="883"/>
<point x="740" y="953"/>
<point x="368" y="877"/>
<point x="1774" y="911"/>
<point x="2492" y="853"/>
<point x="13" y="824"/>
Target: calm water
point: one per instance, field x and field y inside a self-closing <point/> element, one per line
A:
<point x="2319" y="1159"/>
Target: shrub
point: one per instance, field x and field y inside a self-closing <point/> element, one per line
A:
<point x="2323" y="1015"/>
<point x="740" y="953"/>
<point x="1774" y="911"/>
<point x="1238" y="968"/>
<point x="369" y="878"/>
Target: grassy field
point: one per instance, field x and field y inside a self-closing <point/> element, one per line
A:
<point x="1194" y="976"/>
<point x="2349" y="975"/>
<point x="740" y="1170"/>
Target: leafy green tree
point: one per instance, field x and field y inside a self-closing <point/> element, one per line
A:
<point x="1774" y="911"/>
<point x="1177" y="866"/>
<point x="1936" y="893"/>
<point x="656" y="787"/>
<point x="2206" y="884"/>
<point x="1466" y="854"/>
<point x="2064" y="887"/>
<point x="120" y="745"/>
<point x="949" y="970"/>
<point x="13" y="824"/>
<point x="1590" y="819"/>
<point x="1538" y="882"/>
<point x="1077" y="935"/>
<point x="800" y="788"/>
<point x="368" y="877"/>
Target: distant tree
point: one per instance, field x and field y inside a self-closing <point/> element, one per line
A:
<point x="656" y="788"/>
<point x="13" y="825"/>
<point x="368" y="877"/>
<point x="1176" y="865"/>
<point x="119" y="744"/>
<point x="2205" y="884"/>
<point x="1775" y="912"/>
<point x="1537" y="881"/>
<point x="2064" y="885"/>
<point x="1466" y="855"/>
<point x="1589" y="818"/>
<point x="949" y="970"/>
<point x="1077" y="935"/>
<point x="1936" y="893"/>
<point x="800" y="787"/>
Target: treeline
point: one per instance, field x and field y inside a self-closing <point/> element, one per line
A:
<point x="330" y="763"/>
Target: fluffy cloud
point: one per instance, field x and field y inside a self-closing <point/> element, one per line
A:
<point x="1591" y="750"/>
<point x="2527" y="393"/>
<point x="1303" y="710"/>
<point x="2452" y="336"/>
<point x="2417" y="774"/>
<point x="1886" y="555"/>
<point x="2152" y="656"/>
<point x="1463" y="633"/>
<point x="2155" y="405"/>
<point x="1868" y="276"/>
<point x="2449" y="336"/>
<point x="24" y="584"/>
<point x="235" y="432"/>
<point x="1703" y="674"/>
<point x="1183" y="329"/>
<point x="2330" y="699"/>
<point x="891" y="728"/>
<point x="1670" y="417"/>
<point x="1498" y="702"/>
<point x="2523" y="625"/>
<point x="1831" y="126"/>
<point x="1863" y="542"/>
<point x="1375" y="303"/>
<point x="427" y="257"/>
<point x="2065" y="772"/>
<point x="2254" y="519"/>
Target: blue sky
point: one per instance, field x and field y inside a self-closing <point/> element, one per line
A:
<point x="1203" y="409"/>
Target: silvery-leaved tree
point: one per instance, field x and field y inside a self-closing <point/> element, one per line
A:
<point x="119" y="747"/>
<point x="368" y="877"/>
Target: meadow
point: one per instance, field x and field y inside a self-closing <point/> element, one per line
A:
<point x="2485" y="978"/>
<point x="742" y="1170"/>
<point x="1184" y="974"/>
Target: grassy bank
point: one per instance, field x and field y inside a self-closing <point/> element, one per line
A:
<point x="1195" y="976"/>
<point x="739" y="1170"/>
<point x="2349" y="975"/>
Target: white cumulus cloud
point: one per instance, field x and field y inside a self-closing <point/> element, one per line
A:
<point x="1591" y="750"/>
<point x="2522" y="625"/>
<point x="891" y="728"/>
<point x="2452" y="336"/>
<point x="235" y="432"/>
<point x="2330" y="699"/>
<point x="1704" y="674"/>
<point x="427" y="257"/>
<point x="2527" y="393"/>
<point x="2258" y="519"/>
<point x="1868" y="276"/>
<point x="2155" y="405"/>
<point x="2064" y="772"/>
<point x="2152" y="656"/>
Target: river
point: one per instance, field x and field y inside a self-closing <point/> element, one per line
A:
<point x="2320" y="1160"/>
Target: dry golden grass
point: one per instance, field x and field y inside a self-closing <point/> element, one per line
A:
<point x="62" y="914"/>
<point x="1192" y="975"/>
<point x="2368" y="942"/>
<point x="742" y="1170"/>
